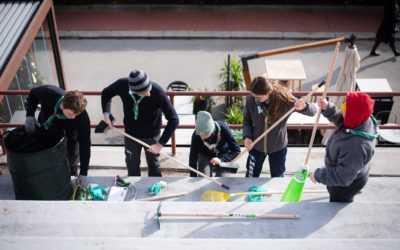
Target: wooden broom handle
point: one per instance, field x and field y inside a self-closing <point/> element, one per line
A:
<point x="160" y="197"/>
<point x="328" y="81"/>
<point x="275" y="124"/>
<point x="172" y="158"/>
<point x="277" y="192"/>
<point x="232" y="215"/>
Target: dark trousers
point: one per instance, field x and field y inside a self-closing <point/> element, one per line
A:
<point x="391" y="44"/>
<point x="204" y="166"/>
<point x="346" y="194"/>
<point x="132" y="157"/>
<point x="276" y="161"/>
<point x="73" y="151"/>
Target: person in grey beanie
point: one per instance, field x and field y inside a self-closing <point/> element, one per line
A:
<point x="212" y="143"/>
<point x="144" y="102"/>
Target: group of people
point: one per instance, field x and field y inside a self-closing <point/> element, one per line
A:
<point x="348" y="152"/>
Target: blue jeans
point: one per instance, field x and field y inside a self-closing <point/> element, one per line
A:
<point x="276" y="161"/>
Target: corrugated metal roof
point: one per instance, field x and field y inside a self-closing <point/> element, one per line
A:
<point x="14" y="20"/>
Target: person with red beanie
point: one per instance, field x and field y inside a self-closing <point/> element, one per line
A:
<point x="350" y="149"/>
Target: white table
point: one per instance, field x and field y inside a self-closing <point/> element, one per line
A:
<point x="373" y="85"/>
<point x="298" y="118"/>
<point x="290" y="70"/>
<point x="382" y="104"/>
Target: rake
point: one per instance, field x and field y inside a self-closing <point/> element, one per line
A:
<point x="160" y="214"/>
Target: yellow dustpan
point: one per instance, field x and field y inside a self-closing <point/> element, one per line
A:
<point x="218" y="196"/>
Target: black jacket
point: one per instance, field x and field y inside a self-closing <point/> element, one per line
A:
<point x="48" y="96"/>
<point x="227" y="147"/>
<point x="149" y="120"/>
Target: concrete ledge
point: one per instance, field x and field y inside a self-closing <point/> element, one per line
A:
<point x="171" y="34"/>
<point x="136" y="219"/>
<point x="378" y="189"/>
<point x="128" y="243"/>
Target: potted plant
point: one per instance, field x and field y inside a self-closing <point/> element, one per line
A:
<point x="232" y="79"/>
<point x="202" y="103"/>
<point x="234" y="116"/>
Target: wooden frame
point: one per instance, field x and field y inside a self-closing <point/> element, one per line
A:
<point x="45" y="12"/>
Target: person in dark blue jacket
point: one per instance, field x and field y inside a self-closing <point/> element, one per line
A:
<point x="212" y="143"/>
<point x="144" y="102"/>
<point x="65" y="109"/>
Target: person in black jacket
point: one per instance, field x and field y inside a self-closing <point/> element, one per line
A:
<point x="143" y="101"/>
<point x="387" y="28"/>
<point x="212" y="143"/>
<point x="65" y="109"/>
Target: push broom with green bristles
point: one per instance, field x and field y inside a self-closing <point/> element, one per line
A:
<point x="294" y="191"/>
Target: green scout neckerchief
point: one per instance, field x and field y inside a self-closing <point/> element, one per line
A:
<point x="213" y="146"/>
<point x="364" y="134"/>
<point x="61" y="116"/>
<point x="136" y="104"/>
<point x="262" y="107"/>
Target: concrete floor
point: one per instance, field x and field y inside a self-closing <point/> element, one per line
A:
<point x="371" y="222"/>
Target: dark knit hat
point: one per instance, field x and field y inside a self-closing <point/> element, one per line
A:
<point x="138" y="81"/>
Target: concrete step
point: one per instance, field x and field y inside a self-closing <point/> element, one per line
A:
<point x="384" y="162"/>
<point x="378" y="189"/>
<point x="128" y="243"/>
<point x="318" y="220"/>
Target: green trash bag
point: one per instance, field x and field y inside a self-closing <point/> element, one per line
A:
<point x="39" y="175"/>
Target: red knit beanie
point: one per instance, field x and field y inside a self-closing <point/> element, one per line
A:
<point x="359" y="107"/>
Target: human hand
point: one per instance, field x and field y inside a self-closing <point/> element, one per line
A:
<point x="322" y="103"/>
<point x="312" y="177"/>
<point x="107" y="120"/>
<point x="30" y="123"/>
<point x="82" y="180"/>
<point x="155" y="148"/>
<point x="214" y="161"/>
<point x="300" y="104"/>
<point x="248" y="143"/>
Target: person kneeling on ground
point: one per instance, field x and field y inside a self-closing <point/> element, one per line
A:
<point x="65" y="109"/>
<point x="350" y="149"/>
<point x="212" y="143"/>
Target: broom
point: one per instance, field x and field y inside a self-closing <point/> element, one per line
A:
<point x="295" y="188"/>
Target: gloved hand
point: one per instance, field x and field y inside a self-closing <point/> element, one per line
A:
<point x="82" y="180"/>
<point x="97" y="192"/>
<point x="30" y="123"/>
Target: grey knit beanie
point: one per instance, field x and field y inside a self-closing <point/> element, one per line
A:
<point x="204" y="124"/>
<point x="139" y="81"/>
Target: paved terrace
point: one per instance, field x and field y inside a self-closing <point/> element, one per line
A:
<point x="371" y="222"/>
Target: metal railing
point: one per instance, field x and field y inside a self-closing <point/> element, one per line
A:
<point x="173" y="94"/>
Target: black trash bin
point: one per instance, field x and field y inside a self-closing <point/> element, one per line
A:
<point x="38" y="164"/>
